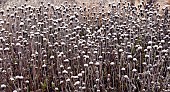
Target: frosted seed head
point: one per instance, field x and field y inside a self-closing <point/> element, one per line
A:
<point x="149" y="47"/>
<point x="56" y="88"/>
<point x="120" y="50"/>
<point x="67" y="80"/>
<point x="162" y="41"/>
<point x="100" y="57"/>
<point x="160" y="47"/>
<point x="66" y="60"/>
<point x="18" y="44"/>
<point x="134" y="70"/>
<point x="80" y="75"/>
<point x="164" y="51"/>
<point x="140" y="48"/>
<point x="68" y="68"/>
<point x="27" y="81"/>
<point x="3" y="86"/>
<point x="51" y="57"/>
<point x="168" y="68"/>
<point x="125" y="76"/>
<point x="123" y="69"/>
<point x="90" y="63"/>
<point x="62" y="43"/>
<point x="83" y="87"/>
<point x="77" y="83"/>
<point x="74" y="77"/>
<point x="12" y="79"/>
<point x="97" y="80"/>
<point x="4" y="71"/>
<point x="155" y="46"/>
<point x="97" y="63"/>
<point x="15" y="91"/>
<point x="144" y="63"/>
<point x="146" y="56"/>
<point x="21" y="24"/>
<point x="95" y="52"/>
<point x="85" y="65"/>
<point x="61" y="82"/>
<point x="21" y="77"/>
<point x="65" y="72"/>
<point x="61" y="66"/>
<point x="129" y="57"/>
<point x="150" y="42"/>
<point x="134" y="59"/>
<point x="44" y="65"/>
<point x="112" y="63"/>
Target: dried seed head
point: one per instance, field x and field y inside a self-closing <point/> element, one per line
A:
<point x="15" y="91"/>
<point x="97" y="63"/>
<point x="129" y="57"/>
<point x="62" y="43"/>
<point x="61" y="66"/>
<point x="27" y="81"/>
<point x="56" y="88"/>
<point x="100" y="57"/>
<point x="123" y="69"/>
<point x="21" y="77"/>
<point x="146" y="56"/>
<point x="155" y="46"/>
<point x="168" y="68"/>
<point x="6" y="49"/>
<point x="160" y="47"/>
<point x="85" y="65"/>
<point x="120" y="50"/>
<point x="98" y="90"/>
<point x="140" y="48"/>
<point x="150" y="42"/>
<point x="134" y="59"/>
<point x="68" y="68"/>
<point x="77" y="83"/>
<point x="61" y="82"/>
<point x="44" y="65"/>
<point x="162" y="41"/>
<point x="112" y="63"/>
<point x="18" y="44"/>
<point x="134" y="70"/>
<point x="68" y="80"/>
<point x="95" y="52"/>
<point x="149" y="47"/>
<point x="51" y="57"/>
<point x="4" y="71"/>
<point x="82" y="72"/>
<point x="3" y="86"/>
<point x="165" y="51"/>
<point x="125" y="76"/>
<point x="144" y="63"/>
<point x="12" y="79"/>
<point x="66" y="61"/>
<point x="90" y="63"/>
<point x="74" y="77"/>
<point x="83" y="87"/>
<point x="97" y="80"/>
<point x="80" y="75"/>
<point x="65" y="72"/>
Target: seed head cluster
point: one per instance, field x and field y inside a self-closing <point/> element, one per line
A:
<point x="75" y="48"/>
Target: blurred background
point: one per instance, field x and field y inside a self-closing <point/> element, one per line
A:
<point x="7" y="3"/>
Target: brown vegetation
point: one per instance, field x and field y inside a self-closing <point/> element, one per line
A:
<point x="84" y="48"/>
<point x="7" y="3"/>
